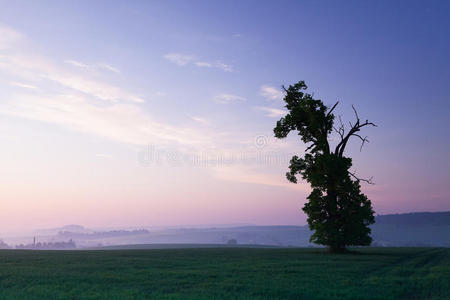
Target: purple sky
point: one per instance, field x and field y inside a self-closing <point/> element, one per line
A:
<point x="161" y="113"/>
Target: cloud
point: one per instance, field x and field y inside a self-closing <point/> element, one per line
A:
<point x="179" y="59"/>
<point x="271" y="93"/>
<point x="224" y="67"/>
<point x="76" y="63"/>
<point x="109" y="68"/>
<point x="227" y="98"/>
<point x="23" y="85"/>
<point x="183" y="60"/>
<point x="203" y="64"/>
<point x="82" y="65"/>
<point x="98" y="89"/>
<point x="68" y="95"/>
<point x="218" y="65"/>
<point x="199" y="119"/>
<point x="34" y="68"/>
<point x="121" y="122"/>
<point x="272" y="112"/>
<point x="84" y="103"/>
<point x="77" y="100"/>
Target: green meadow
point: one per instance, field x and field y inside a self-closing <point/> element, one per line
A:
<point x="226" y="273"/>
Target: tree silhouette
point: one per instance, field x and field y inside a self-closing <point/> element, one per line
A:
<point x="338" y="213"/>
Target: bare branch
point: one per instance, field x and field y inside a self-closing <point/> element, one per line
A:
<point x="368" y="181"/>
<point x="368" y="123"/>
<point x="340" y="121"/>
<point x="331" y="110"/>
<point x="356" y="114"/>
<point x="338" y="131"/>
<point x="309" y="147"/>
<point x="341" y="127"/>
<point x="363" y="140"/>
<point x="354" y="128"/>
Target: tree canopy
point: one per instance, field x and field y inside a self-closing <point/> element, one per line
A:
<point x="338" y="213"/>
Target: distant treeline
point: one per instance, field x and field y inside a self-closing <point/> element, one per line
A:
<point x="4" y="245"/>
<point x="101" y="234"/>
<point x="412" y="229"/>
<point x="49" y="246"/>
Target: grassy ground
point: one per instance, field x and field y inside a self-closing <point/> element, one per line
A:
<point x="226" y="273"/>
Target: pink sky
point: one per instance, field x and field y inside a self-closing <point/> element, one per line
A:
<point x="83" y="97"/>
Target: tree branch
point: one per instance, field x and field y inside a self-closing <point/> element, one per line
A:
<point x="363" y="140"/>
<point x="331" y="110"/>
<point x="369" y="181"/>
<point x="338" y="131"/>
<point x="310" y="147"/>
<point x="341" y="129"/>
<point x="356" y="113"/>
<point x="353" y="130"/>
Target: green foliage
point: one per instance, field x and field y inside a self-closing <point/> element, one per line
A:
<point x="226" y="273"/>
<point x="307" y="116"/>
<point x="337" y="211"/>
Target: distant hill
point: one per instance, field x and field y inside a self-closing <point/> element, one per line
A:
<point x="415" y="219"/>
<point x="411" y="229"/>
<point x="71" y="228"/>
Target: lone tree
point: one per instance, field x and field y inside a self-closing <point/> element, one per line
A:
<point x="338" y="213"/>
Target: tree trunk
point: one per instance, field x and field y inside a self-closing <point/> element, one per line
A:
<point x="336" y="249"/>
<point x="334" y="242"/>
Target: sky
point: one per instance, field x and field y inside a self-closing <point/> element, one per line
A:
<point x="161" y="113"/>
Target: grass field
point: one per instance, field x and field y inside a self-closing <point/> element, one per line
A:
<point x="226" y="273"/>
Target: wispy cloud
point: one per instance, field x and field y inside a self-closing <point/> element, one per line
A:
<point x="22" y="85"/>
<point x="34" y="68"/>
<point x="84" y="103"/>
<point x="120" y="122"/>
<point x="203" y="64"/>
<point x="199" y="119"/>
<point x="272" y="112"/>
<point x="179" y="59"/>
<point x="224" y="67"/>
<point x="183" y="60"/>
<point x="227" y="98"/>
<point x="76" y="63"/>
<point x="97" y="66"/>
<point x="271" y="93"/>
<point x="77" y="100"/>
<point x="217" y="64"/>
<point x="109" y="68"/>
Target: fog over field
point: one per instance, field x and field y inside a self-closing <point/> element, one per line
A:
<point x="415" y="229"/>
